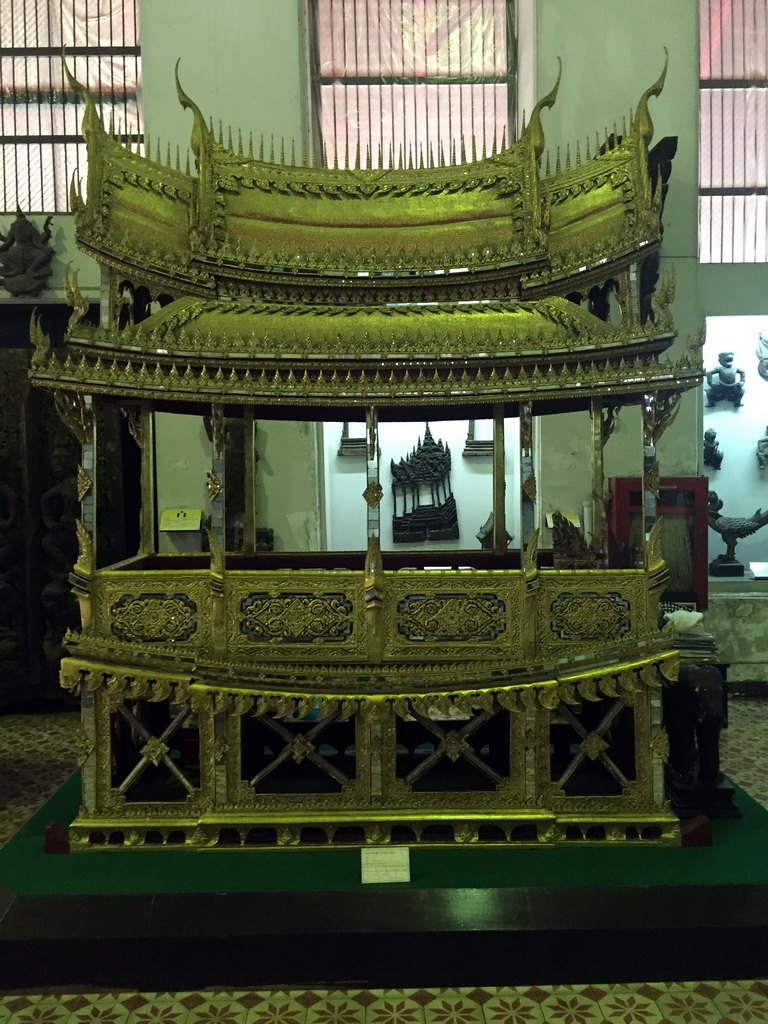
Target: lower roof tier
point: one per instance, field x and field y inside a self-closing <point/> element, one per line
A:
<point x="195" y="350"/>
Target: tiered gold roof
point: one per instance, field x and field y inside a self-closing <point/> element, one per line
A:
<point x="386" y="286"/>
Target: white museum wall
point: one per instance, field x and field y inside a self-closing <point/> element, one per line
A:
<point x="289" y="484"/>
<point x="471" y="482"/>
<point x="182" y="458"/>
<point x="344" y="482"/>
<point x="740" y="483"/>
<point x="288" y="479"/>
<point x="612" y="51"/>
<point x="242" y="62"/>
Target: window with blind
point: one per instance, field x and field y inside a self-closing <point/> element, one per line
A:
<point x="733" y="169"/>
<point x="41" y="147"/>
<point x="411" y="82"/>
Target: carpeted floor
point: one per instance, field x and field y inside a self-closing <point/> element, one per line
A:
<point x="37" y="754"/>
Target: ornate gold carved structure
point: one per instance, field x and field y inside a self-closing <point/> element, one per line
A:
<point x="227" y="702"/>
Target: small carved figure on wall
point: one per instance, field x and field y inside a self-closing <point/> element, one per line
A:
<point x="762" y="450"/>
<point x="713" y="457"/>
<point x="762" y="356"/>
<point x="722" y="382"/>
<point x="25" y="256"/>
<point x="425" y="508"/>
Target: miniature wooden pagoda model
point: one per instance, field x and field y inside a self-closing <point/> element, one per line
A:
<point x="237" y="697"/>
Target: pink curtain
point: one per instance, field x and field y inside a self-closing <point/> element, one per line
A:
<point x="412" y="82"/>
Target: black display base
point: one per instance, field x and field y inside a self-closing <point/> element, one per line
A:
<point x="423" y="938"/>
<point x="725" y="567"/>
<point x="711" y="801"/>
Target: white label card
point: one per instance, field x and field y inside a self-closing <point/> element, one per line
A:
<point x="172" y="519"/>
<point x="385" y="864"/>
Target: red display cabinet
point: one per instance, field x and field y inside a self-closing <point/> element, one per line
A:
<point x="683" y="504"/>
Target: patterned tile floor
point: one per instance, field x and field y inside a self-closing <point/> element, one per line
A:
<point x="737" y="1002"/>
<point x="37" y="755"/>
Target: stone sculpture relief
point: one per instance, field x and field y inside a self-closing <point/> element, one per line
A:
<point x="762" y="450"/>
<point x="713" y="457"/>
<point x="25" y="257"/>
<point x="762" y="356"/>
<point x="731" y="529"/>
<point x="722" y="382"/>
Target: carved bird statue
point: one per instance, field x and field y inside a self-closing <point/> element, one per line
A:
<point x="732" y="529"/>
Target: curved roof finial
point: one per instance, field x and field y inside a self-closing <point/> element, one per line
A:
<point x="533" y="131"/>
<point x="199" y="130"/>
<point x="91" y="120"/>
<point x="643" y="122"/>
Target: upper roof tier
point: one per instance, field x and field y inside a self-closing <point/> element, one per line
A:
<point x="494" y="227"/>
<point x="293" y="286"/>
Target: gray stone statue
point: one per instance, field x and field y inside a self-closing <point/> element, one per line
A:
<point x="722" y="382"/>
<point x="713" y="457"/>
<point x="25" y="257"/>
<point x="762" y="356"/>
<point x="731" y="529"/>
<point x="762" y="450"/>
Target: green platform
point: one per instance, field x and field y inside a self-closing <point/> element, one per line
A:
<point x="738" y="856"/>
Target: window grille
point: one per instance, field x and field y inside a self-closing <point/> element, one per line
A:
<point x="411" y="82"/>
<point x="733" y="169"/>
<point x="41" y="146"/>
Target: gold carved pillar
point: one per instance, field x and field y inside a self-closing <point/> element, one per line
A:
<point x="595" y="529"/>
<point x="527" y="476"/>
<point x="659" y="411"/>
<point x="499" y="483"/>
<point x="374" y="571"/>
<point x="602" y="422"/>
<point x="76" y="411"/>
<point x="249" y="477"/>
<point x="217" y="529"/>
<point x="373" y="491"/>
<point x="146" y="441"/>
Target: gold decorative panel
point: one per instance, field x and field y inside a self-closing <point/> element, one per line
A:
<point x="451" y="618"/>
<point x="153" y="609"/>
<point x="452" y="615"/>
<point x="296" y="615"/>
<point x="591" y="616"/>
<point x="591" y="610"/>
<point x="296" y="618"/>
<point x="154" y="618"/>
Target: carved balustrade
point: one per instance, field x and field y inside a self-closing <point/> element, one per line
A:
<point x="322" y="617"/>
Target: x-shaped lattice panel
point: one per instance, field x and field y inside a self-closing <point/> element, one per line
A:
<point x="593" y="743"/>
<point x="155" y="750"/>
<point x="299" y="746"/>
<point x="454" y="743"/>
